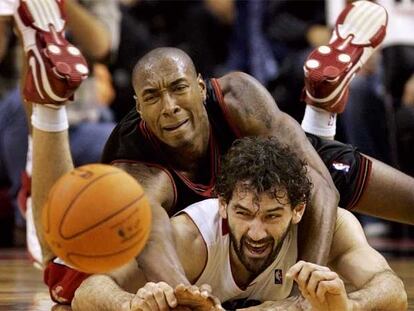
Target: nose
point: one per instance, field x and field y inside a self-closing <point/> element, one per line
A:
<point x="170" y="106"/>
<point x="257" y="230"/>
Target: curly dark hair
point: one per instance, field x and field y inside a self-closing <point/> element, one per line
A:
<point x="265" y="165"/>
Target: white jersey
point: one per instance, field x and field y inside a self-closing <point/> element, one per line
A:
<point x="271" y="284"/>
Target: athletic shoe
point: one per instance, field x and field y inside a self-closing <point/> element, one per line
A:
<point x="329" y="69"/>
<point x="56" y="68"/>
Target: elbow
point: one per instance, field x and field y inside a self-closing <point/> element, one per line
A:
<point x="402" y="299"/>
<point x="100" y="50"/>
<point x="78" y="299"/>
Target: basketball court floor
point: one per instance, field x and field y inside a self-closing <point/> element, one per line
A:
<point x="21" y="286"/>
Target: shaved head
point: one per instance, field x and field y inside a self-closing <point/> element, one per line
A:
<point x="157" y="58"/>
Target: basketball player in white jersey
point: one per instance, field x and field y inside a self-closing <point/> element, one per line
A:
<point x="244" y="246"/>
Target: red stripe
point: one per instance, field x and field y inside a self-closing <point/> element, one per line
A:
<point x="224" y="108"/>
<point x="362" y="181"/>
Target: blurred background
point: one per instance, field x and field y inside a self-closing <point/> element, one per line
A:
<point x="268" y="39"/>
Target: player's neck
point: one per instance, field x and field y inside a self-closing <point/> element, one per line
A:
<point x="191" y="156"/>
<point x="241" y="276"/>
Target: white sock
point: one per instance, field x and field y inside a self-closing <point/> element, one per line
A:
<point x="319" y="122"/>
<point x="50" y="119"/>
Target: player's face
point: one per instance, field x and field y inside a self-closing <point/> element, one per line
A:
<point x="258" y="225"/>
<point x="170" y="99"/>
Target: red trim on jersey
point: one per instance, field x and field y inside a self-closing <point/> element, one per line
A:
<point x="364" y="175"/>
<point x="224" y="108"/>
<point x="159" y="166"/>
<point x="224" y="227"/>
<point x="203" y="190"/>
<point x="62" y="281"/>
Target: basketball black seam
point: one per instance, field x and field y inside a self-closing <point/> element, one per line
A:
<point x="65" y="237"/>
<point x="102" y="221"/>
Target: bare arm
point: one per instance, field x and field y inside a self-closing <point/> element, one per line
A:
<point x="160" y="249"/>
<point x="158" y="261"/>
<point x="255" y="112"/>
<point x="44" y="174"/>
<point x="191" y="247"/>
<point x="84" y="26"/>
<point x="378" y="288"/>
<point x="115" y="290"/>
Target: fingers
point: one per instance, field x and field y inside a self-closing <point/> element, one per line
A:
<point x="334" y="287"/>
<point x="308" y="275"/>
<point x="198" y="298"/>
<point x="316" y="278"/>
<point x="154" y="296"/>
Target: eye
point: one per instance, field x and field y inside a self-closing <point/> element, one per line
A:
<point x="150" y="99"/>
<point x="180" y="87"/>
<point x="242" y="213"/>
<point x="272" y="216"/>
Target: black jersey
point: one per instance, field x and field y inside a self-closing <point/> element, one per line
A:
<point x="132" y="141"/>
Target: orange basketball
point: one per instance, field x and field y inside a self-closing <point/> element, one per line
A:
<point x="96" y="218"/>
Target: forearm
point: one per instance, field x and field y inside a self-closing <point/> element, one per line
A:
<point x="290" y="133"/>
<point x="287" y="304"/>
<point x="317" y="225"/>
<point x="44" y="175"/>
<point x="89" y="33"/>
<point x="100" y="293"/>
<point x="385" y="291"/>
<point x="159" y="260"/>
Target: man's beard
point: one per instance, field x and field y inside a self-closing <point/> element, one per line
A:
<point x="258" y="265"/>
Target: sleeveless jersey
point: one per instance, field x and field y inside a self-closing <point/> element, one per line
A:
<point x="271" y="284"/>
<point x="132" y="141"/>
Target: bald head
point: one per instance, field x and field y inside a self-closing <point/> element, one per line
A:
<point x="155" y="60"/>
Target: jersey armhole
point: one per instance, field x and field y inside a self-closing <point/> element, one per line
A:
<point x="226" y="113"/>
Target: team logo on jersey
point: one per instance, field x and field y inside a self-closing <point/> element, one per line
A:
<point x="341" y="166"/>
<point x="278" y="276"/>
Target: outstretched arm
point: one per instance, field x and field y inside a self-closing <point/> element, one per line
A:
<point x="160" y="250"/>
<point x="252" y="109"/>
<point x="377" y="286"/>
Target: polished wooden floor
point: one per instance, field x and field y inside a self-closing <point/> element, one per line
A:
<point x="21" y="286"/>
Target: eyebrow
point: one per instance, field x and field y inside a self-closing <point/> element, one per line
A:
<point x="276" y="209"/>
<point x="178" y="81"/>
<point x="238" y="206"/>
<point x="155" y="90"/>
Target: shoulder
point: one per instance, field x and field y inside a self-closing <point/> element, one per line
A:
<point x="348" y="234"/>
<point x="190" y="245"/>
<point x="250" y="105"/>
<point x="156" y="181"/>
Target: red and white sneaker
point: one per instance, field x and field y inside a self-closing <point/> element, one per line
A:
<point x="329" y="69"/>
<point x="56" y="68"/>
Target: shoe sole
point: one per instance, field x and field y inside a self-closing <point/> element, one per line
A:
<point x="54" y="75"/>
<point x="359" y="30"/>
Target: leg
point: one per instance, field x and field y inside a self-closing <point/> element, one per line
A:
<point x="388" y="194"/>
<point x="51" y="159"/>
<point x="55" y="70"/>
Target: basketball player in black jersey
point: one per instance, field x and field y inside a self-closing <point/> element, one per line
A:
<point x="172" y="143"/>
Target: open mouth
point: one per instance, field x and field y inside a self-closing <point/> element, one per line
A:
<point x="173" y="127"/>
<point x="256" y="251"/>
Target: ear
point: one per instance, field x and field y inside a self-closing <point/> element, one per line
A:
<point x="222" y="207"/>
<point x="202" y="86"/>
<point x="137" y="104"/>
<point x="298" y="213"/>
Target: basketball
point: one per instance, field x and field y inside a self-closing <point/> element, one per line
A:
<point x="96" y="218"/>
